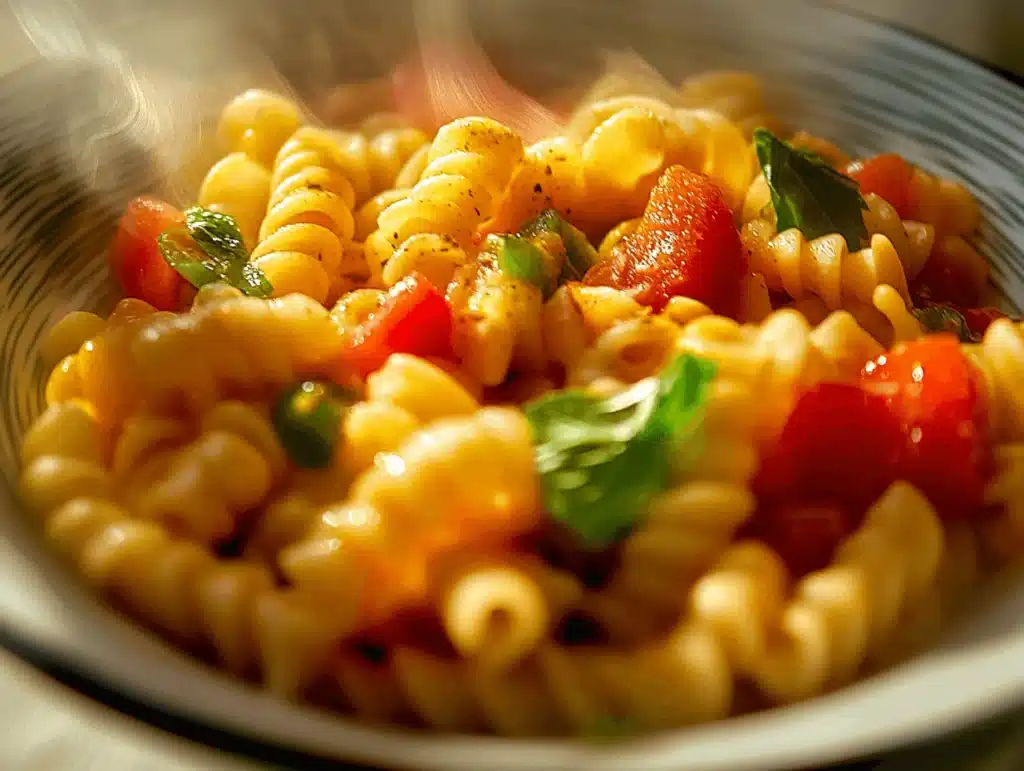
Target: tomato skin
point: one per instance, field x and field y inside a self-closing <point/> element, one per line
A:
<point x="840" y="445"/>
<point x="805" y="536"/>
<point x="937" y="395"/>
<point x="887" y="175"/>
<point x="135" y="258"/>
<point x="686" y="245"/>
<point x="980" y="319"/>
<point x="415" y="319"/>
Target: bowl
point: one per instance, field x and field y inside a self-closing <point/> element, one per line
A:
<point x="120" y="102"/>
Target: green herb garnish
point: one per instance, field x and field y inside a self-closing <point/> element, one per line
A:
<point x="579" y="253"/>
<point x="602" y="460"/>
<point x="808" y="194"/>
<point x="307" y="418"/>
<point x="522" y="260"/>
<point x="209" y="249"/>
<point x="942" y="318"/>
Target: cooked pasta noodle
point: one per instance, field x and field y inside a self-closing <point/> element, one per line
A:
<point x="824" y="267"/>
<point x="435" y="490"/>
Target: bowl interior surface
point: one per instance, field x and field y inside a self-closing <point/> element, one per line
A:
<point x="118" y="105"/>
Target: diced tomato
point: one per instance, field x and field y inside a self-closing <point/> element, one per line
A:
<point x="804" y="536"/>
<point x="135" y="259"/>
<point x="840" y="445"/>
<point x="979" y="319"/>
<point x="686" y="245"/>
<point x="886" y="175"/>
<point x="415" y="319"/>
<point x="945" y="279"/>
<point x="938" y="398"/>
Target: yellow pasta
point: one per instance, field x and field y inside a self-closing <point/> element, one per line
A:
<point x="238" y="186"/>
<point x="68" y="335"/>
<point x="373" y="551"/>
<point x="943" y="203"/>
<point x="1000" y="359"/>
<point x="824" y="267"/>
<point x="820" y="636"/>
<point x="257" y="123"/>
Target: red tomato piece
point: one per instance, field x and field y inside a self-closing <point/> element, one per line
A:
<point x="979" y="319"/>
<point x="935" y="393"/>
<point x="804" y="536"/>
<point x="135" y="258"/>
<point x="887" y="175"/>
<point x="946" y="280"/>
<point x="686" y="245"/>
<point x="415" y="319"/>
<point x="840" y="445"/>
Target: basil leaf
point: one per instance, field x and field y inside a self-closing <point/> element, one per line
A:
<point x="182" y="254"/>
<point x="602" y="460"/>
<point x="580" y="255"/>
<point x="942" y="318"/>
<point x="307" y="418"/>
<point x="523" y="261"/>
<point x="808" y="194"/>
<point x="216" y="234"/>
<point x="210" y="249"/>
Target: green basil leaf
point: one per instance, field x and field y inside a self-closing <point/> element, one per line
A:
<point x="307" y="418"/>
<point x="580" y="255"/>
<point x="602" y="460"/>
<point x="182" y="254"/>
<point x="523" y="261"/>
<point x="808" y="194"/>
<point x="942" y="318"/>
<point x="216" y="234"/>
<point x="210" y="248"/>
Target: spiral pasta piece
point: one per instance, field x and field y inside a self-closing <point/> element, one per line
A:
<point x="228" y="607"/>
<point x="820" y="636"/>
<point x="469" y="165"/>
<point x="824" y="267"/>
<point x="576" y="315"/>
<point x="238" y="186"/>
<point x="888" y="319"/>
<point x="493" y="608"/>
<point x="195" y="359"/>
<point x="309" y="220"/>
<point x="626" y="144"/>
<point x="438" y="491"/>
<point x="257" y="123"/>
<point x="1000" y="359"/>
<point x="497" y="322"/>
<point x="553" y="691"/>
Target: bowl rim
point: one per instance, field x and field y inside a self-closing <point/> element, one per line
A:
<point x="996" y="666"/>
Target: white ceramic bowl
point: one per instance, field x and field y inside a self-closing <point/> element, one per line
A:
<point x="118" y="108"/>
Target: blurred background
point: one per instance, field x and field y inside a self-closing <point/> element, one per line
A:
<point x="44" y="727"/>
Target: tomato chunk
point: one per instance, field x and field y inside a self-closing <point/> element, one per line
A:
<point x="840" y="445"/>
<point x="686" y="245"/>
<point x="135" y="258"/>
<point x="887" y="175"/>
<point x="980" y="319"/>
<point x="415" y="319"/>
<point x="937" y="396"/>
